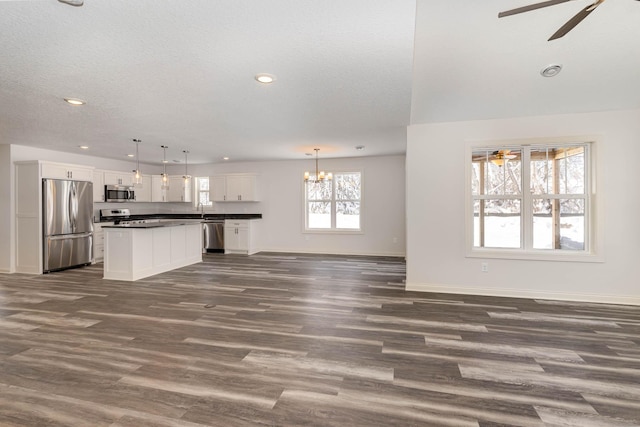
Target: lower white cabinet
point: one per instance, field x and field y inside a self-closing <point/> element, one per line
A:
<point x="135" y="253"/>
<point x="98" y="241"/>
<point x="240" y="236"/>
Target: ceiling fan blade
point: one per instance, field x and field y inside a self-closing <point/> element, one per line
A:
<point x="531" y="7"/>
<point x="571" y="23"/>
<point x="75" y="3"/>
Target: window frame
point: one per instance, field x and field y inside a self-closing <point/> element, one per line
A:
<point x="196" y="192"/>
<point x="593" y="251"/>
<point x="333" y="203"/>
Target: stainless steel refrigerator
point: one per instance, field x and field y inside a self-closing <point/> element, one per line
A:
<point x="68" y="227"/>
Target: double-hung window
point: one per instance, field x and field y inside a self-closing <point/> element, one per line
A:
<point x="202" y="191"/>
<point x="334" y="204"/>
<point x="533" y="198"/>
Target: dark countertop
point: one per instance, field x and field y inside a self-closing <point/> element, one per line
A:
<point x="155" y="224"/>
<point x="189" y="216"/>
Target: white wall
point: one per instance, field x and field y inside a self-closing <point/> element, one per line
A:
<point x="436" y="224"/>
<point x="282" y="204"/>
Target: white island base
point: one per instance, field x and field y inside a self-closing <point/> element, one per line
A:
<point x="132" y="253"/>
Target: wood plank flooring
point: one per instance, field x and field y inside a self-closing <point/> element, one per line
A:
<point x="305" y="340"/>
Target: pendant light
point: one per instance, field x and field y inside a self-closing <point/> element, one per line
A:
<point x="165" y="177"/>
<point x="186" y="175"/>
<point x="137" y="176"/>
<point x="320" y="175"/>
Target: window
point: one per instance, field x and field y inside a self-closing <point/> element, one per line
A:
<point x="202" y="191"/>
<point x="335" y="204"/>
<point x="531" y="198"/>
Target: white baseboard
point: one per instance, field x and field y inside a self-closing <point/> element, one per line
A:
<point x="520" y="293"/>
<point x="333" y="252"/>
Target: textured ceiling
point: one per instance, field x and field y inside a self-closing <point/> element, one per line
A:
<point x="181" y="72"/>
<point x="470" y="65"/>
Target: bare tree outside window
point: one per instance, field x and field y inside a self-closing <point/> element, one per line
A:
<point x="552" y="214"/>
<point x="334" y="204"/>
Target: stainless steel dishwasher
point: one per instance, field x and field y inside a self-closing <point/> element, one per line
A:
<point x="213" y="235"/>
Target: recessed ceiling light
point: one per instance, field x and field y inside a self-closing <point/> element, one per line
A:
<point x="551" y="70"/>
<point x="225" y="158"/>
<point x="265" y="78"/>
<point x="74" y="101"/>
<point x="130" y="155"/>
<point x="84" y="147"/>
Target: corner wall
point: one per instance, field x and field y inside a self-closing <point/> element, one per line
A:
<point x="6" y="210"/>
<point x="436" y="259"/>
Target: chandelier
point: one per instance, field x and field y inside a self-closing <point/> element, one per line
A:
<point x="320" y="176"/>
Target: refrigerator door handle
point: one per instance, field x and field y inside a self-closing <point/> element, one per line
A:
<point x="69" y="236"/>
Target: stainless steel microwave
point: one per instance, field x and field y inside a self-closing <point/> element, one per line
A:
<point x="119" y="193"/>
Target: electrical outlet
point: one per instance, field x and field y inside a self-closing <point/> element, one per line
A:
<point x="484" y="267"/>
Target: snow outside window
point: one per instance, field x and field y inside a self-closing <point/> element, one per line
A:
<point x="335" y="204"/>
<point x="531" y="198"/>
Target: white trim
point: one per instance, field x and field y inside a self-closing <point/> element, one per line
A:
<point x="525" y="293"/>
<point x="331" y="252"/>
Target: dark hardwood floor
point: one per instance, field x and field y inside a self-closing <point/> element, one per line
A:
<point x="290" y="340"/>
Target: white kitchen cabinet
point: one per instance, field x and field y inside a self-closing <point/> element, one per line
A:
<point x="179" y="190"/>
<point x="98" y="185"/>
<point x="65" y="171"/>
<point x="98" y="241"/>
<point x="218" y="188"/>
<point x="134" y="253"/>
<point x="158" y="194"/>
<point x="118" y="178"/>
<point x="143" y="191"/>
<point x="240" y="236"/>
<point x="234" y="188"/>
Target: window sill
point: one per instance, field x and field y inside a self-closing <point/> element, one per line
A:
<point x="332" y="231"/>
<point x="534" y="255"/>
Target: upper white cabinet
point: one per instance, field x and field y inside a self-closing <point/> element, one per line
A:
<point x="98" y="185"/>
<point x="179" y="190"/>
<point x="218" y="188"/>
<point x="158" y="194"/>
<point x="143" y="191"/>
<point x="234" y="188"/>
<point x="118" y="178"/>
<point x="64" y="171"/>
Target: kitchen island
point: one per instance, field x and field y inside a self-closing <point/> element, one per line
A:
<point x="135" y="251"/>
